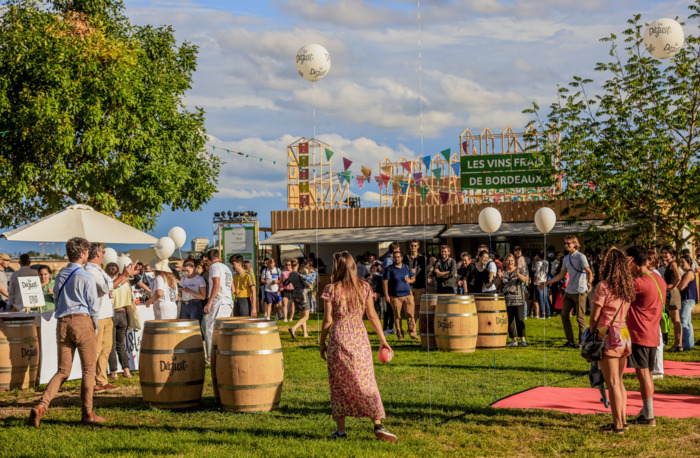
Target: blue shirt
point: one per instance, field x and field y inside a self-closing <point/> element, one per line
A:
<point x="311" y="277"/>
<point x="396" y="277"/>
<point x="79" y="296"/>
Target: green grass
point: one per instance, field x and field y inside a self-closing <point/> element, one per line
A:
<point x="436" y="403"/>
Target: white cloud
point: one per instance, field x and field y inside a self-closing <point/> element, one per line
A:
<point x="370" y="196"/>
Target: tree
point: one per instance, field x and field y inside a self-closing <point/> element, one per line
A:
<point x="631" y="152"/>
<point x="92" y="113"/>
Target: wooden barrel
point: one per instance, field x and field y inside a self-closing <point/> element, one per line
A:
<point x="249" y="365"/>
<point x="456" y="325"/>
<point x="214" y="346"/>
<point x="493" y="322"/>
<point x="426" y="321"/>
<point x="19" y="353"/>
<point x="171" y="364"/>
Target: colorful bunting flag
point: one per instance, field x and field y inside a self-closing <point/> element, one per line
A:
<point x="367" y="172"/>
<point x="385" y="179"/>
<point x="591" y="185"/>
<point x="329" y="154"/>
<point x="455" y="168"/>
<point x="304" y="148"/>
<point x="407" y="165"/>
<point x="346" y="163"/>
<point x="423" y="192"/>
<point x="444" y="196"/>
<point x="464" y="147"/>
<point x="379" y="181"/>
<point x="360" y="180"/>
<point x="426" y="161"/>
<point x="404" y="187"/>
<point x="418" y="177"/>
<point x="387" y="170"/>
<point x="474" y="149"/>
<point x="437" y="172"/>
<point x="497" y="197"/>
<point x="446" y="154"/>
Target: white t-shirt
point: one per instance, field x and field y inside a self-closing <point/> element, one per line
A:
<point x="194" y="284"/>
<point x="492" y="268"/>
<point x="165" y="308"/>
<point x="223" y="273"/>
<point x="270" y="276"/>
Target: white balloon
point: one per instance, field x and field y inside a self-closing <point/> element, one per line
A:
<point x="178" y="235"/>
<point x="313" y="62"/>
<point x="165" y="247"/>
<point x="490" y="220"/>
<point x="545" y="219"/>
<point x="110" y="256"/>
<point x="664" y="38"/>
<point x="122" y="262"/>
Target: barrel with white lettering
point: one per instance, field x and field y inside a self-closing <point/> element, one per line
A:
<point x="426" y="321"/>
<point x="214" y="346"/>
<point x="456" y="326"/>
<point x="171" y="364"/>
<point x="249" y="365"/>
<point x="19" y="353"/>
<point x="493" y="321"/>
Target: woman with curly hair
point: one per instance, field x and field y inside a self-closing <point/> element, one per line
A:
<point x="609" y="308"/>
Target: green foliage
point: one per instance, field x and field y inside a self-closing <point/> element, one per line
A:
<point x="94" y="113"/>
<point x="637" y="140"/>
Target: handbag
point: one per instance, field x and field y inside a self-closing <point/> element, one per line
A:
<point x="593" y="346"/>
<point x="133" y="320"/>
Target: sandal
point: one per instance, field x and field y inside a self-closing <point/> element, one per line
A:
<point x="674" y="349"/>
<point x="337" y="435"/>
<point x="610" y="428"/>
<point x="293" y="336"/>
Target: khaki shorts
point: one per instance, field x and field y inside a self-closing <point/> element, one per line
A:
<point x="673" y="300"/>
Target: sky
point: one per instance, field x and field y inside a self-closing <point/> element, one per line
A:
<point x="392" y="91"/>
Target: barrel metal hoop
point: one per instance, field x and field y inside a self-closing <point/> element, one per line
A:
<point x="174" y="331"/>
<point x="246" y="325"/>
<point x="248" y="352"/>
<point x="455" y="314"/>
<point x="491" y="311"/>
<point x="17" y="369"/>
<point x="179" y="351"/>
<point x="19" y="340"/>
<point x="17" y="324"/>
<point x="172" y="324"/>
<point x="455" y="337"/>
<point x="175" y="403"/>
<point x="487" y="334"/>
<point x="249" y="387"/>
<point x="188" y="383"/>
<point x="249" y="333"/>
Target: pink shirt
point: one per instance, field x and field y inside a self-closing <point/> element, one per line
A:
<point x="283" y="277"/>
<point x="603" y="297"/>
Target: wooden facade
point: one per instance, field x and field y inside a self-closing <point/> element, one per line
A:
<point x="448" y="214"/>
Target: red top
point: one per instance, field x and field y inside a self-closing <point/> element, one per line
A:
<point x="645" y="313"/>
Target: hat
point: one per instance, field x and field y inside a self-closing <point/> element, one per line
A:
<point x="5" y="257"/>
<point x="160" y="265"/>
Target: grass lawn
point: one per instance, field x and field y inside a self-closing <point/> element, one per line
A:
<point x="436" y="403"/>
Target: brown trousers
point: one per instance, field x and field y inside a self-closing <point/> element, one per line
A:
<point x="417" y="294"/>
<point x="576" y="302"/>
<point x="405" y="304"/>
<point x="74" y="332"/>
<point x="105" y="327"/>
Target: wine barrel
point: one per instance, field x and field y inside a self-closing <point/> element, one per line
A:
<point x="456" y="325"/>
<point x="171" y="364"/>
<point x="214" y="346"/>
<point x="249" y="365"/>
<point x="426" y="321"/>
<point x="493" y="322"/>
<point x="19" y="353"/>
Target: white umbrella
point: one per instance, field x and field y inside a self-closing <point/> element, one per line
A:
<point x="79" y="221"/>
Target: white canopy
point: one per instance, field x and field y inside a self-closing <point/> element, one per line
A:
<point x="79" y="221"/>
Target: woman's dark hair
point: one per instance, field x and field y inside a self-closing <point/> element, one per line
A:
<point x="113" y="268"/>
<point x="44" y="267"/>
<point x="483" y="252"/>
<point x="345" y="273"/>
<point x="670" y="249"/>
<point x="687" y="259"/>
<point x="615" y="270"/>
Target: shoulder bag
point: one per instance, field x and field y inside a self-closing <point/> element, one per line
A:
<point x="593" y="346"/>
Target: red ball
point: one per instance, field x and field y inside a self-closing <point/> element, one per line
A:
<point x="385" y="355"/>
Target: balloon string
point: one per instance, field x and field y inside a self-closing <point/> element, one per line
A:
<point x="313" y="105"/>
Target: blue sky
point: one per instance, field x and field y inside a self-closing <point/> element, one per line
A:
<point x="483" y="62"/>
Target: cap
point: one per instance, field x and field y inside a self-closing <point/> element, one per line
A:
<point x="160" y="265"/>
<point x="5" y="257"/>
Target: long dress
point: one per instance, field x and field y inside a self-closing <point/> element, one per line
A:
<point x="354" y="391"/>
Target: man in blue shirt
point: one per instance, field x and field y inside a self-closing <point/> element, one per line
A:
<point x="398" y="278"/>
<point x="76" y="312"/>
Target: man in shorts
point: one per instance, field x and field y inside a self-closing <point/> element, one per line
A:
<point x="643" y="325"/>
<point x="270" y="280"/>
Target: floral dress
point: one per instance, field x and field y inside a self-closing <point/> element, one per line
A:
<point x="354" y="391"/>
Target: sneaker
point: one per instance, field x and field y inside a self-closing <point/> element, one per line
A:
<point x="524" y="344"/>
<point x="569" y="345"/>
<point x="383" y="434"/>
<point x="513" y="343"/>
<point x="337" y="435"/>
<point x="657" y="376"/>
<point x="387" y="332"/>
<point x="640" y="420"/>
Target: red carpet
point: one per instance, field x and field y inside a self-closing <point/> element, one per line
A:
<point x="678" y="369"/>
<point x="587" y="400"/>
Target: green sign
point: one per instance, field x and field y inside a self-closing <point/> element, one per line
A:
<point x="239" y="240"/>
<point x="495" y="180"/>
<point x="498" y="163"/>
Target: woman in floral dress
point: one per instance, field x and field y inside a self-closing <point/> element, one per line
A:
<point x="354" y="391"/>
